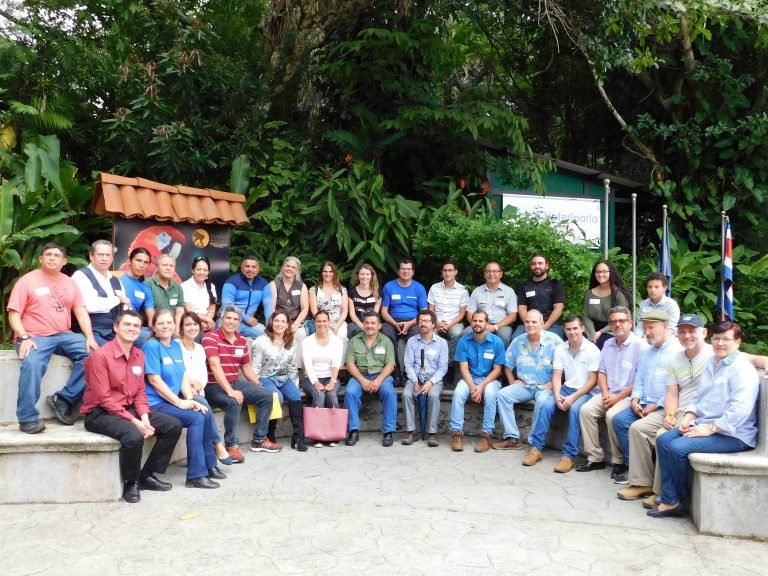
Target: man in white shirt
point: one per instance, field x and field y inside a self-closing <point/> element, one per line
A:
<point x="448" y="299"/>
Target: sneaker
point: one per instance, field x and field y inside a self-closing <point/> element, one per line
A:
<point x="432" y="441"/>
<point x="618" y="469"/>
<point x="458" y="442"/>
<point x="265" y="445"/>
<point x="410" y="438"/>
<point x="235" y="454"/>
<point x="650" y="503"/>
<point x="508" y="444"/>
<point x="317" y="444"/>
<point x="484" y="444"/>
<point x="333" y="444"/>
<point x="60" y="409"/>
<point x="621" y="478"/>
<point x="31" y="427"/>
<point x="634" y="492"/>
<point x="534" y="455"/>
<point x="565" y="465"/>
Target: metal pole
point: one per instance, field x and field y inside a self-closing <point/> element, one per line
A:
<point x="634" y="256"/>
<point x="607" y="185"/>
<point x="722" y="262"/>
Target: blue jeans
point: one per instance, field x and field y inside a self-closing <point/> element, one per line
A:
<point x="353" y="398"/>
<point x="672" y="449"/>
<point x="210" y="421"/>
<point x="33" y="367"/>
<point x="251" y="331"/>
<point x="286" y="390"/>
<point x="460" y="397"/>
<point x="515" y="394"/>
<point x="542" y="422"/>
<point x="621" y="423"/>
<point x="200" y="453"/>
<point x="252" y="394"/>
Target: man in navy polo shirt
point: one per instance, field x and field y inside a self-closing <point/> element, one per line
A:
<point x="400" y="304"/>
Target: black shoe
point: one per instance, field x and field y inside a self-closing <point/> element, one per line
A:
<point x="590" y="466"/>
<point x="155" y="484"/>
<point x="617" y="470"/>
<point x="203" y="482"/>
<point x="298" y="443"/>
<point x="31" y="427"/>
<point x="621" y="478"/>
<point x="131" y="492"/>
<point x="352" y="438"/>
<point x="387" y="440"/>
<point x="216" y="474"/>
<point x="60" y="409"/>
<point x="678" y="510"/>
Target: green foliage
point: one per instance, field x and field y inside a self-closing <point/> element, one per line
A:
<point x="474" y="241"/>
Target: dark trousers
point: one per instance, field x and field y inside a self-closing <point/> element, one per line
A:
<point x="167" y="432"/>
<point x="252" y="394"/>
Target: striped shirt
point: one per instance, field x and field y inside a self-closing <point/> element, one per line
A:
<point x="447" y="301"/>
<point x="231" y="355"/>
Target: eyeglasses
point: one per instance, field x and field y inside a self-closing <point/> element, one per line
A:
<point x="721" y="340"/>
<point x="622" y="321"/>
<point x="493" y="271"/>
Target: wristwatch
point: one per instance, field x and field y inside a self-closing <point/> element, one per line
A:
<point x="24" y="337"/>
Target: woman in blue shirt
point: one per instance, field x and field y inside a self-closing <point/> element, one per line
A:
<point x="166" y="380"/>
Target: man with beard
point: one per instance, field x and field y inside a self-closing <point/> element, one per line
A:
<point x="541" y="293"/>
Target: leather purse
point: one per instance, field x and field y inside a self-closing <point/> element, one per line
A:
<point x="326" y="424"/>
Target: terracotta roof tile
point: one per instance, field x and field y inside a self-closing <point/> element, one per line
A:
<point x="140" y="198"/>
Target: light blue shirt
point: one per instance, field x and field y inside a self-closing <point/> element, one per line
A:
<point x="619" y="364"/>
<point x="651" y="378"/>
<point x="435" y="358"/>
<point x="727" y="397"/>
<point x="666" y="304"/>
<point x="533" y="367"/>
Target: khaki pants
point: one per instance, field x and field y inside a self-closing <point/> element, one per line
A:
<point x="591" y="413"/>
<point x="642" y="443"/>
<point x="657" y="472"/>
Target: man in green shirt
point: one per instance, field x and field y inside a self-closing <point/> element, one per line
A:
<point x="166" y="292"/>
<point x="370" y="363"/>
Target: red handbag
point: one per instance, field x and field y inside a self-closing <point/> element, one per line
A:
<point x="326" y="424"/>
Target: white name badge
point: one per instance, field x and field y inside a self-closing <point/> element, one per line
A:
<point x="118" y="292"/>
<point x="173" y="301"/>
<point x="432" y="353"/>
<point x="167" y="360"/>
<point x="42" y="291"/>
<point x="594" y="300"/>
<point x="720" y="381"/>
<point x="379" y="350"/>
<point x="530" y="294"/>
<point x="626" y="364"/>
<point x="395" y="296"/>
<point x="295" y="292"/>
<point x="136" y="370"/>
<point x="488" y="355"/>
<point x="239" y="351"/>
<point x="139" y="294"/>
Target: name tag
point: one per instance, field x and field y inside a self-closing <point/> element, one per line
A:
<point x="295" y="292"/>
<point x="530" y="294"/>
<point x="239" y="351"/>
<point x="173" y="301"/>
<point x="488" y="355"/>
<point x="42" y="291"/>
<point x="379" y="350"/>
<point x="720" y="381"/>
<point x="594" y="300"/>
<point x="626" y="364"/>
<point x="118" y="292"/>
<point x="136" y="370"/>
<point x="167" y="360"/>
<point x="395" y="296"/>
<point x="524" y="360"/>
<point x="139" y="294"/>
<point x="431" y="353"/>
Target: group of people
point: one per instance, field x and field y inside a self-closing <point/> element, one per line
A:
<point x="152" y="356"/>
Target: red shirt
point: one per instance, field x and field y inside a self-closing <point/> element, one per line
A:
<point x="114" y="382"/>
<point x="45" y="303"/>
<point x="232" y="355"/>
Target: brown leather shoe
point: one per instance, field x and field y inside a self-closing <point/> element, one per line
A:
<point x="458" y="442"/>
<point x="508" y="444"/>
<point x="432" y="441"/>
<point x="410" y="438"/>
<point x="565" y="465"/>
<point x="534" y="456"/>
<point x="651" y="503"/>
<point x="634" y="492"/>
<point x="484" y="444"/>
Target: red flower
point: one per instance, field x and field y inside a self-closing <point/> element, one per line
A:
<point x="493" y="203"/>
<point x="328" y="175"/>
<point x="484" y="187"/>
<point x="349" y="158"/>
<point x="462" y="183"/>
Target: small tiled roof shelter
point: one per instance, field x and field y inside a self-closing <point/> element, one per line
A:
<point x="123" y="197"/>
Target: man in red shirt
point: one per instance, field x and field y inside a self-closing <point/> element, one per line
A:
<point x="227" y="353"/>
<point x="115" y="404"/>
<point x="40" y="312"/>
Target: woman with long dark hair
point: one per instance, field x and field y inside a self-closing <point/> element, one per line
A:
<point x="606" y="290"/>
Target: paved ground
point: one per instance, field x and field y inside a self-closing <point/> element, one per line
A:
<point x="370" y="510"/>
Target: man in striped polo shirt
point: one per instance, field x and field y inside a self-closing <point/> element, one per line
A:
<point x="227" y="352"/>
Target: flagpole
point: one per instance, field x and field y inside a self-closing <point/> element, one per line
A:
<point x="634" y="256"/>
<point x="607" y="186"/>
<point x="722" y="264"/>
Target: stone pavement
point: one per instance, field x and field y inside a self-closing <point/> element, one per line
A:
<point x="370" y="510"/>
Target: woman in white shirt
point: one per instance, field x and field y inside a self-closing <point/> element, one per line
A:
<point x="322" y="352"/>
<point x="200" y="294"/>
